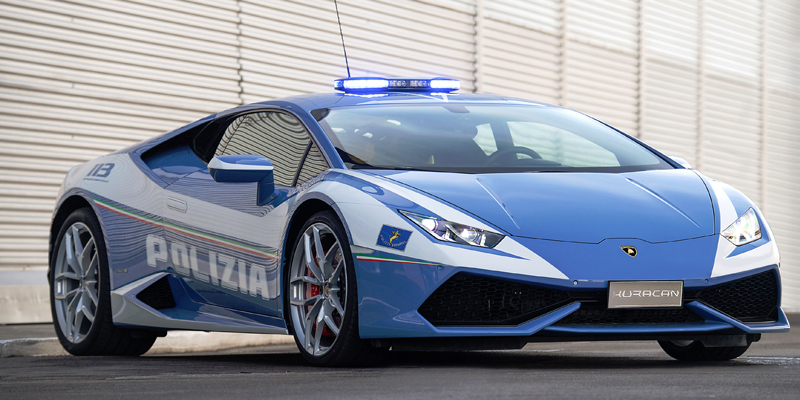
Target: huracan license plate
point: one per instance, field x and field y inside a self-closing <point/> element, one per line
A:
<point x="645" y="294"/>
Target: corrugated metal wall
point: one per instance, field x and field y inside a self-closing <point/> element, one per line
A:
<point x="79" y="79"/>
<point x="780" y="180"/>
<point x="712" y="81"/>
<point x="293" y="46"/>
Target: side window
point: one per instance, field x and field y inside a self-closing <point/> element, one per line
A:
<point x="314" y="165"/>
<point x="280" y="137"/>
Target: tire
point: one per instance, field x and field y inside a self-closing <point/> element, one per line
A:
<point x="325" y="297"/>
<point x="80" y="293"/>
<point x="694" y="350"/>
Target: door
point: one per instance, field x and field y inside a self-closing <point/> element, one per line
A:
<point x="226" y="247"/>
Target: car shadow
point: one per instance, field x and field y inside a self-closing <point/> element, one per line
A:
<point x="505" y="360"/>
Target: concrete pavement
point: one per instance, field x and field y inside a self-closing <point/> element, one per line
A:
<point x="583" y="370"/>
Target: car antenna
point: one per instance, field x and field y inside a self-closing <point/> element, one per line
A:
<point x="342" y="35"/>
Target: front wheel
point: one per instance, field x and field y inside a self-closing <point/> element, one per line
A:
<point x="322" y="299"/>
<point x="694" y="350"/>
<point x="80" y="293"/>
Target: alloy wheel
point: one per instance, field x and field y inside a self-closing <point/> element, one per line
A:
<point x="318" y="289"/>
<point x="75" y="282"/>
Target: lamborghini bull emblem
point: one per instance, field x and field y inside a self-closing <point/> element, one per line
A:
<point x="630" y="250"/>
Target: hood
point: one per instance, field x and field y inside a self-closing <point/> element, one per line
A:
<point x="655" y="206"/>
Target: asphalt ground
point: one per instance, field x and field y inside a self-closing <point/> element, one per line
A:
<point x="582" y="370"/>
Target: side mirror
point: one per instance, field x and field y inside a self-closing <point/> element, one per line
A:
<point x="245" y="168"/>
<point x="682" y="162"/>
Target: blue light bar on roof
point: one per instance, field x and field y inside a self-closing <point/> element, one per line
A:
<point x="372" y="85"/>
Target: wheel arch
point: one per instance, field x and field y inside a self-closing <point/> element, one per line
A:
<point x="302" y="211"/>
<point x="66" y="207"/>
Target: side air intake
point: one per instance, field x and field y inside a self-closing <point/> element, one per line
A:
<point x="158" y="295"/>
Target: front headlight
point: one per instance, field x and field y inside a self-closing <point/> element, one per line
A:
<point x="452" y="232"/>
<point x="744" y="230"/>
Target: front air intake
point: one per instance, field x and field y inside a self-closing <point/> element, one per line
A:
<point x="158" y="295"/>
<point x="750" y="299"/>
<point x="467" y="299"/>
<point x="598" y="314"/>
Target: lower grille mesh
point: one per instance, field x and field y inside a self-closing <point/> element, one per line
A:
<point x="750" y="299"/>
<point x="158" y="295"/>
<point x="467" y="299"/>
<point x="598" y="314"/>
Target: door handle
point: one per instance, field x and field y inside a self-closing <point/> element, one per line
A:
<point x="177" y="205"/>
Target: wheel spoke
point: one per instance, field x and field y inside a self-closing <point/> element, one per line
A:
<point x="310" y="262"/>
<point x="307" y="302"/>
<point x="327" y="261"/>
<point x="320" y="327"/>
<point x="76" y="240"/>
<point x="72" y="259"/>
<point x="72" y="306"/>
<point x="86" y="257"/>
<point x="91" y="295"/>
<point x="329" y="320"/>
<point x="68" y="294"/>
<point x="66" y="275"/>
<point x="336" y="272"/>
<point x="337" y="305"/>
<point x="86" y="311"/>
<point x="306" y="279"/>
<point x="310" y="318"/>
<point x="69" y="321"/>
<point x="76" y="327"/>
<point x="319" y="250"/>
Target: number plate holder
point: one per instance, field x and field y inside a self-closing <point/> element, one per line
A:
<point x="645" y="294"/>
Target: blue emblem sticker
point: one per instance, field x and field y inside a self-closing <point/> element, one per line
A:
<point x="393" y="238"/>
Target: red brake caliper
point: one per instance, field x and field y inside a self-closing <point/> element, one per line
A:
<point x="311" y="291"/>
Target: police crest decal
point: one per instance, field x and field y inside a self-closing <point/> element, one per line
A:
<point x="393" y="238"/>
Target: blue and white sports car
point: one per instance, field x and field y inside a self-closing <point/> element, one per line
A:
<point x="397" y="213"/>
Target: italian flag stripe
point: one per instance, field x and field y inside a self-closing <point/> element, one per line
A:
<point x="365" y="257"/>
<point x="186" y="231"/>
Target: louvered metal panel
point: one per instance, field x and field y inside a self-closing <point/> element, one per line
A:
<point x="601" y="66"/>
<point x="293" y="47"/>
<point x="521" y="49"/>
<point x="781" y="182"/>
<point x="670" y="55"/>
<point x="731" y="122"/>
<point x="83" y="78"/>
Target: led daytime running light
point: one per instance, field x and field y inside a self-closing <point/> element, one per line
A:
<point x="453" y="232"/>
<point x="744" y="230"/>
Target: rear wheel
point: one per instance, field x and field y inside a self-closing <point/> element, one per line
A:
<point x="80" y="293"/>
<point x="322" y="300"/>
<point x="694" y="350"/>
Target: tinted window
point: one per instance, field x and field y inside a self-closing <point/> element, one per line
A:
<point x="481" y="138"/>
<point x="279" y="137"/>
<point x="313" y="165"/>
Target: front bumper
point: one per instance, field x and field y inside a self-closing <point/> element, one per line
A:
<point x="392" y="292"/>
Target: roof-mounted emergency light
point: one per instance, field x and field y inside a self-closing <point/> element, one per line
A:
<point x="373" y="85"/>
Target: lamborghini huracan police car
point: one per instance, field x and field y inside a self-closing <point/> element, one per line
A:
<point x="397" y="213"/>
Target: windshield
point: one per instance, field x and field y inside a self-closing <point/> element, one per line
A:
<point x="481" y="138"/>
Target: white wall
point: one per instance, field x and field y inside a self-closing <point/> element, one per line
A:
<point x="712" y="81"/>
